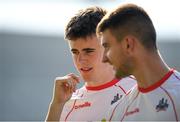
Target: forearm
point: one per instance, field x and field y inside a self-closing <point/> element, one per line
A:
<point x="54" y="113"/>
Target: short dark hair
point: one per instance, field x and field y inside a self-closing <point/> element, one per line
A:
<point x="130" y="19"/>
<point x="84" y="23"/>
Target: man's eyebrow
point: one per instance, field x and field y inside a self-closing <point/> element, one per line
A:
<point x="85" y="49"/>
<point x="88" y="49"/>
<point x="73" y="50"/>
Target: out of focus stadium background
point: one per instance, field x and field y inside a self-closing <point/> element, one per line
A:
<point x="33" y="50"/>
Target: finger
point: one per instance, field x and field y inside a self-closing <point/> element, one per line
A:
<point x="63" y="81"/>
<point x="68" y="81"/>
<point x="75" y="77"/>
<point x="74" y="86"/>
<point x="72" y="83"/>
<point x="68" y="86"/>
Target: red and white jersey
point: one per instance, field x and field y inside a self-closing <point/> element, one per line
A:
<point x="159" y="102"/>
<point x="92" y="103"/>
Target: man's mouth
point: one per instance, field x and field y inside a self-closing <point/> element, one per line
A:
<point x="86" y="69"/>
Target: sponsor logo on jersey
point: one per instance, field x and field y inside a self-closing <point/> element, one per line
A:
<point x="116" y="98"/>
<point x="86" y="104"/>
<point x="136" y="110"/>
<point x="162" y="106"/>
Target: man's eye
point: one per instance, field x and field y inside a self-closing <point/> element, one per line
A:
<point x="105" y="45"/>
<point x="75" y="52"/>
<point x="89" y="51"/>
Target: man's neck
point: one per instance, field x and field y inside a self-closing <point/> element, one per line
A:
<point x="150" y="71"/>
<point x="99" y="82"/>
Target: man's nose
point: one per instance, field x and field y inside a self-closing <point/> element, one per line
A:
<point x="104" y="59"/>
<point x="81" y="58"/>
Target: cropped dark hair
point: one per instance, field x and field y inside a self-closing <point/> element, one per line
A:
<point x="84" y="23"/>
<point x="130" y="19"/>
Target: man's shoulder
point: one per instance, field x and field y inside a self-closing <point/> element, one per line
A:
<point x="79" y="90"/>
<point x="173" y="80"/>
<point x="172" y="84"/>
<point x="127" y="83"/>
<point x="177" y="75"/>
<point x="128" y="79"/>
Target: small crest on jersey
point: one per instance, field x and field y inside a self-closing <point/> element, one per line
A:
<point x="162" y="106"/>
<point x="116" y="98"/>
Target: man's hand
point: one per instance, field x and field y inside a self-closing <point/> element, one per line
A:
<point x="63" y="89"/>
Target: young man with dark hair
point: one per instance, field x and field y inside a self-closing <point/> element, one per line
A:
<point x="129" y="38"/>
<point x="101" y="89"/>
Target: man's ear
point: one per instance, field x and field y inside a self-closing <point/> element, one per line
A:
<point x="129" y="44"/>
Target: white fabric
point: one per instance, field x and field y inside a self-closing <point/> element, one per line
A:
<point x="159" y="104"/>
<point x="92" y="105"/>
